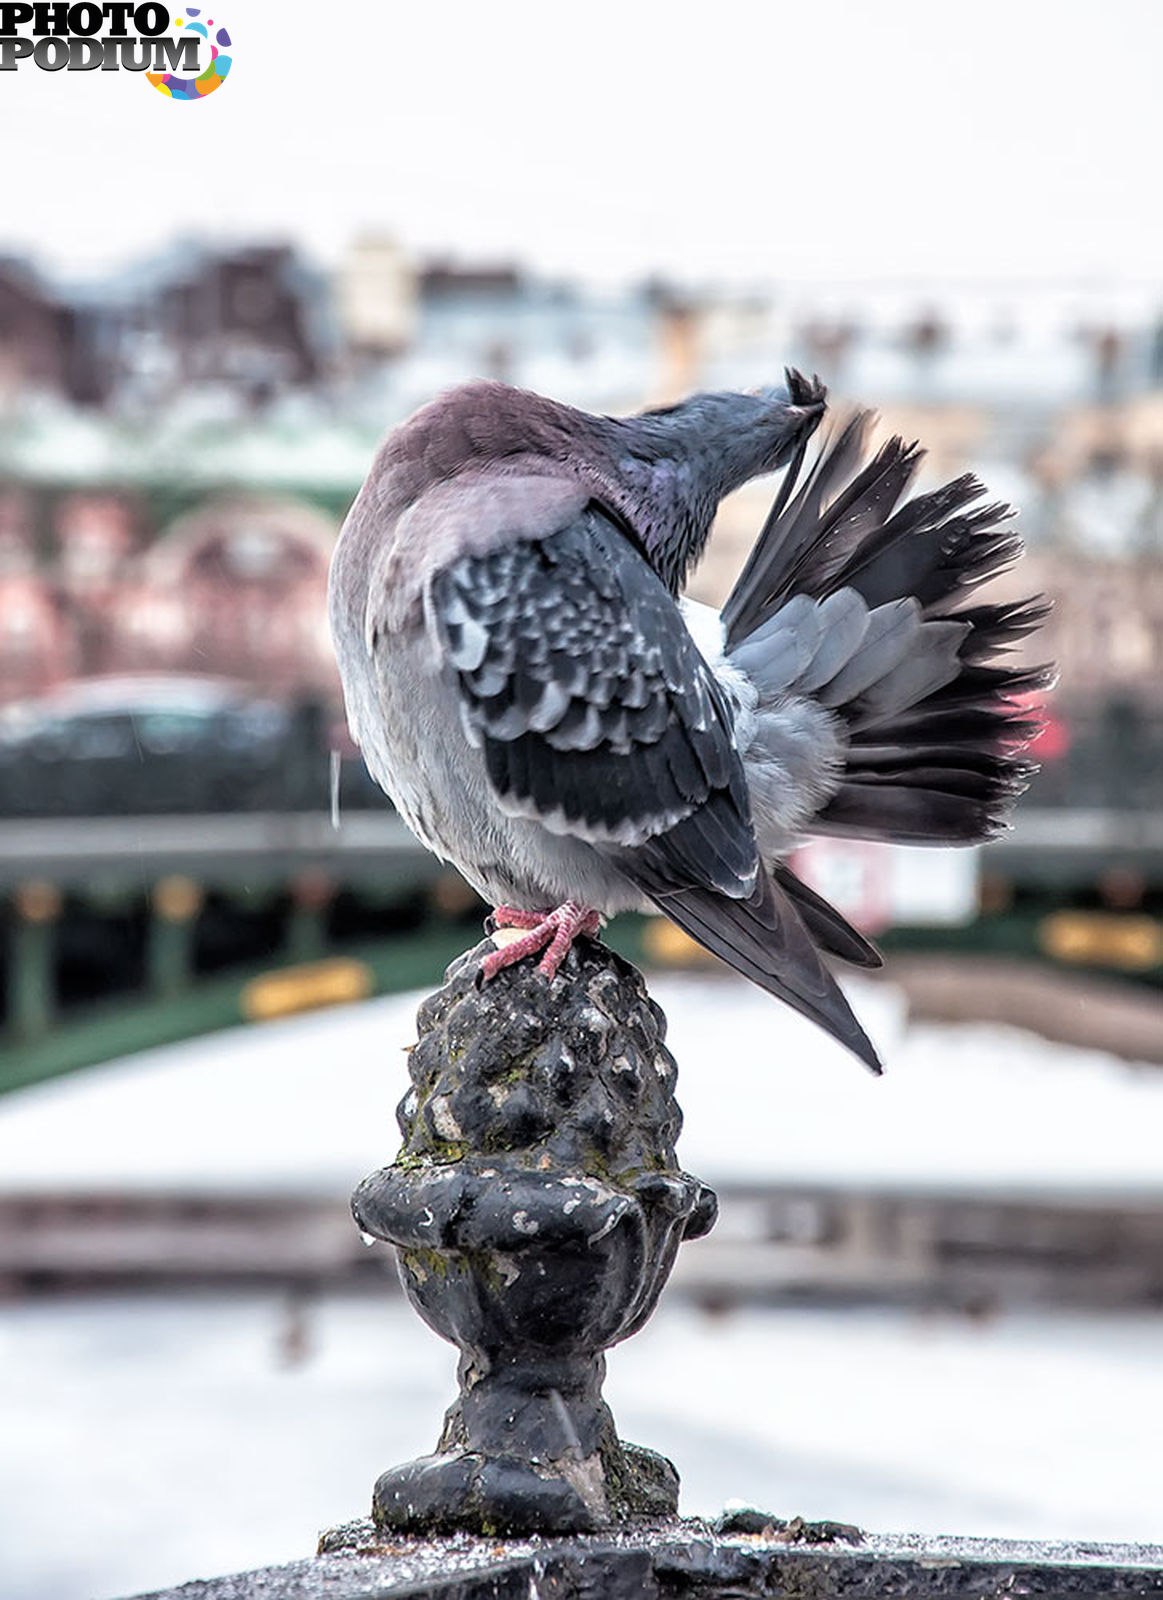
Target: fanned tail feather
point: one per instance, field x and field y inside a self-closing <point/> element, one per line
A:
<point x="936" y="711"/>
<point x="858" y="599"/>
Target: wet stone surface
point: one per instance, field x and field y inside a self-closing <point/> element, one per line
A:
<point x="536" y="1207"/>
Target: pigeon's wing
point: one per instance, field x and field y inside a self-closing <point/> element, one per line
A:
<point x="596" y="714"/>
<point x="599" y="718"/>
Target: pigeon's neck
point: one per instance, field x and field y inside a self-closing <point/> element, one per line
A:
<point x="670" y="469"/>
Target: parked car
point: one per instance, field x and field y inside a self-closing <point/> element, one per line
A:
<point x="131" y="746"/>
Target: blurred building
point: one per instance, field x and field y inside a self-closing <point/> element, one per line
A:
<point x="181" y="422"/>
<point x="38" y="647"/>
<point x="34" y="334"/>
<point x="254" y="322"/>
<point x="17" y="542"/>
<point x="377" y="293"/>
<point x="1106" y="629"/>
<point x="46" y="345"/>
<point x="238" y="589"/>
<point x="243" y="319"/>
<point x="94" y="543"/>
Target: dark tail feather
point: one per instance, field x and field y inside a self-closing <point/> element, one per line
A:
<point x="826" y="518"/>
<point x="948" y="768"/>
<point x="765" y="940"/>
<point x="996" y="628"/>
<point x="828" y="928"/>
<point x="937" y="713"/>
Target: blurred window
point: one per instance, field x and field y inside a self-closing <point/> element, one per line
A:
<point x="165" y="732"/>
<point x="105" y="738"/>
<point x="253" y="725"/>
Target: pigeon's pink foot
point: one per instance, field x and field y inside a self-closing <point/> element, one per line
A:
<point x="551" y="931"/>
<point x="511" y="917"/>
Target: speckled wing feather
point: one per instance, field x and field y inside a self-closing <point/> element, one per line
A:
<point x="599" y="718"/>
<point x="595" y="711"/>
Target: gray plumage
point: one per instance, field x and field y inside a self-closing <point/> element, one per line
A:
<point x="545" y="713"/>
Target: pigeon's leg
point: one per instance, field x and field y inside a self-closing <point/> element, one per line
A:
<point x="555" y="929"/>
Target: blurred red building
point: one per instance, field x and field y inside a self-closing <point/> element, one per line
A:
<point x="238" y="588"/>
<point x="38" y="646"/>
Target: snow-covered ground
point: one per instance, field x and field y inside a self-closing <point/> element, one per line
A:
<point x="308" y="1104"/>
<point x="147" y="1441"/>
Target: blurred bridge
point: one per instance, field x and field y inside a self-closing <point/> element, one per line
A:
<point x="120" y="932"/>
<point x="1051" y="846"/>
<point x="218" y="849"/>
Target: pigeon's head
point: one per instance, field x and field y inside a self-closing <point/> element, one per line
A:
<point x="681" y="460"/>
<point x="747" y="434"/>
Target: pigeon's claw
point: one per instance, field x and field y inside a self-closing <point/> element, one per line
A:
<point x="551" y="931"/>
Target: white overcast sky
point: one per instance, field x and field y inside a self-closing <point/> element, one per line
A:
<point x="729" y="140"/>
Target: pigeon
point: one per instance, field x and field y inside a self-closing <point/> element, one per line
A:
<point x="548" y="713"/>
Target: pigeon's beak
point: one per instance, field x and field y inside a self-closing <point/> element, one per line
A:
<point x="800" y="414"/>
<point x="798" y="405"/>
<point x="804" y="392"/>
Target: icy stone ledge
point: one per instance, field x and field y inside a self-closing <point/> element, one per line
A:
<point x="687" y="1560"/>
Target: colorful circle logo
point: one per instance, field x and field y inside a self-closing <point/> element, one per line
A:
<point x="213" y="75"/>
